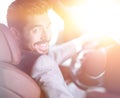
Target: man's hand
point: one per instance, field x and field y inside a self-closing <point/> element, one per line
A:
<point x="88" y="41"/>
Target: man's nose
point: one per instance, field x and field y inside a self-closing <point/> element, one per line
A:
<point x="45" y="36"/>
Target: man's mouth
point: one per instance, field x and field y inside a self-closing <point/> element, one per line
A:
<point x="41" y="47"/>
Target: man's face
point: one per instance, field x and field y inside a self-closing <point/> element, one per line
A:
<point x="36" y="33"/>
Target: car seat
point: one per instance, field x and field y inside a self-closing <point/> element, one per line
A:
<point x="13" y="82"/>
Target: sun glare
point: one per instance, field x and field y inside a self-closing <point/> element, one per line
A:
<point x="3" y="10"/>
<point x="57" y="25"/>
<point x="98" y="16"/>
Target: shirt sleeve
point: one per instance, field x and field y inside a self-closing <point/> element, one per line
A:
<point x="61" y="53"/>
<point x="48" y="75"/>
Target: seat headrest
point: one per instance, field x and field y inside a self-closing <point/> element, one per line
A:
<point x="9" y="51"/>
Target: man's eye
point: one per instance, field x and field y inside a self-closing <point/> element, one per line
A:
<point x="36" y="30"/>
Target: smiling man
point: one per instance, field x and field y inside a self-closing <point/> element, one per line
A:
<point x="30" y="25"/>
<point x="29" y="22"/>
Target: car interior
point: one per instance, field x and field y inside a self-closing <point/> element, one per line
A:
<point x="16" y="84"/>
<point x="89" y="77"/>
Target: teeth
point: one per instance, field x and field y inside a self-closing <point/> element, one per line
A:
<point x="43" y="45"/>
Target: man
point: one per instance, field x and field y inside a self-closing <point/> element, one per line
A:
<point x="30" y="24"/>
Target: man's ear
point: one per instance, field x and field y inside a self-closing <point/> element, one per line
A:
<point x="15" y="33"/>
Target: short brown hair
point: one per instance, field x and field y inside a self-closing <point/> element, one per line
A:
<point x="19" y="10"/>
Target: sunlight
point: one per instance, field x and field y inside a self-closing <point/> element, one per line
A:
<point x="3" y="10"/>
<point x="98" y="16"/>
<point x="57" y="25"/>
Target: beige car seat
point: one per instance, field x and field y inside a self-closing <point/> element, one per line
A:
<point x="13" y="82"/>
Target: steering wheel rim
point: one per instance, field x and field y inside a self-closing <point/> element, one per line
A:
<point x="83" y="86"/>
<point x="103" y="46"/>
<point x="78" y="74"/>
<point x="100" y="46"/>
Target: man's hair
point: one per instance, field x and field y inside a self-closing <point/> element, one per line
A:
<point x="19" y="10"/>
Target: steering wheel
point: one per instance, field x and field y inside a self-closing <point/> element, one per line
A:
<point x="88" y="66"/>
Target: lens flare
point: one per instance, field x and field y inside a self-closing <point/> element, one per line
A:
<point x="97" y="17"/>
